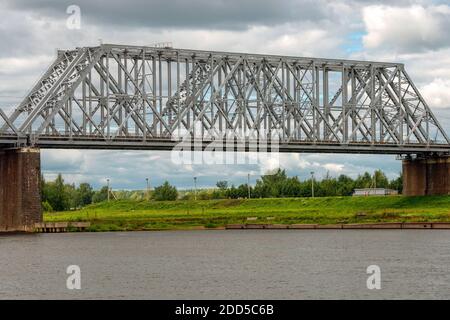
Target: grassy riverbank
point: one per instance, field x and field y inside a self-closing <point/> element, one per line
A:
<point x="152" y="215"/>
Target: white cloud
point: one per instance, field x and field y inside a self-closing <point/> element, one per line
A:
<point x="437" y="93"/>
<point x="13" y="65"/>
<point x="334" y="167"/>
<point x="406" y="28"/>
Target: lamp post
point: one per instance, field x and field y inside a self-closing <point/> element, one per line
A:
<point x="107" y="183"/>
<point x="195" y="188"/>
<point x="248" y="185"/>
<point x="312" y="184"/>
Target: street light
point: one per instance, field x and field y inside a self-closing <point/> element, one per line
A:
<point x="107" y="183"/>
<point x="312" y="184"/>
<point x="248" y="185"/>
<point x="195" y="188"/>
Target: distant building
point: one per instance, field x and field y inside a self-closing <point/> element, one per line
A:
<point x="374" y="192"/>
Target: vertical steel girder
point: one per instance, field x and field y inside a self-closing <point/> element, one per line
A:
<point x="115" y="93"/>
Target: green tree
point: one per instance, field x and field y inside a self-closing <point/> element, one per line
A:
<point x="243" y="191"/>
<point x="271" y="184"/>
<point x="218" y="194"/>
<point x="380" y="179"/>
<point x="165" y="192"/>
<point x="57" y="194"/>
<point x="364" y="181"/>
<point x="44" y="190"/>
<point x="291" y="187"/>
<point x="261" y="190"/>
<point x="397" y="184"/>
<point x="71" y="193"/>
<point x="327" y="187"/>
<point x="232" y="192"/>
<point x="46" y="206"/>
<point x="222" y="185"/>
<point x="345" y="185"/>
<point x="100" y="195"/>
<point x="84" y="194"/>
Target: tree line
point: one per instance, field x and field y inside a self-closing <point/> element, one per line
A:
<point x="279" y="185"/>
<point x="57" y="195"/>
<point x="60" y="196"/>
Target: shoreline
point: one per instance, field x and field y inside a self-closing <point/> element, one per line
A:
<point x="255" y="226"/>
<point x="345" y="226"/>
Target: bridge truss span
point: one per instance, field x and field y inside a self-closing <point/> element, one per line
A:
<point x="130" y="97"/>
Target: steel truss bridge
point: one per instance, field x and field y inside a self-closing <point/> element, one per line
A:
<point x="133" y="97"/>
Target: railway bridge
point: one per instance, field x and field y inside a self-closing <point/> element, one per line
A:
<point x="149" y="98"/>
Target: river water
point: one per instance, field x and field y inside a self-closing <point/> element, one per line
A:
<point x="229" y="264"/>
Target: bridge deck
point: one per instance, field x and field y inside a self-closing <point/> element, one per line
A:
<point x="128" y="143"/>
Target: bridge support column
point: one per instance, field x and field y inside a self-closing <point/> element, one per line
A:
<point x="20" y="189"/>
<point x="430" y="176"/>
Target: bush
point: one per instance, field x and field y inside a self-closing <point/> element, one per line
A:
<point x="204" y="195"/>
<point x="165" y="192"/>
<point x="47" y="207"/>
<point x="100" y="195"/>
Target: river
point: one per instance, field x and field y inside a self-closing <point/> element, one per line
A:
<point x="228" y="264"/>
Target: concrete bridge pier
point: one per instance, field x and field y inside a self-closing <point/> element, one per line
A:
<point x="20" y="189"/>
<point x="426" y="176"/>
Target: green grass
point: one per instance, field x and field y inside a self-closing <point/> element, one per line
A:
<point x="145" y="215"/>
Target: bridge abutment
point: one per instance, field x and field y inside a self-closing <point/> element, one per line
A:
<point x="20" y="185"/>
<point x="429" y="176"/>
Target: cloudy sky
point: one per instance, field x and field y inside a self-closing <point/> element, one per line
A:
<point x="413" y="32"/>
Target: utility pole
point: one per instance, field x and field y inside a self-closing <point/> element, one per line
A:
<point x="107" y="182"/>
<point x="312" y="184"/>
<point x="148" y="188"/>
<point x="195" y="188"/>
<point x="248" y="185"/>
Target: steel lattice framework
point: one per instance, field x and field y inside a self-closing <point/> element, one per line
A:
<point x="116" y="96"/>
